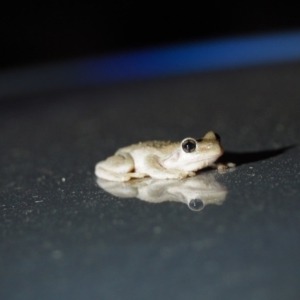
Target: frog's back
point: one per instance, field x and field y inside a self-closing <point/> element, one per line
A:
<point x="148" y="146"/>
<point x="155" y="144"/>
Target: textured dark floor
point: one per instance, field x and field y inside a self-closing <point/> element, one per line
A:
<point x="63" y="237"/>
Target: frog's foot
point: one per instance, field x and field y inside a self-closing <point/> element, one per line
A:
<point x="222" y="167"/>
<point x="116" y="168"/>
<point x="188" y="174"/>
<point x="112" y="176"/>
<point x="170" y="174"/>
<point x="157" y="171"/>
<point x="121" y="163"/>
<point x="115" y="176"/>
<point x="182" y="174"/>
<point x="137" y="175"/>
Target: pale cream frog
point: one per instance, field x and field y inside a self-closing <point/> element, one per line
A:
<point x="161" y="159"/>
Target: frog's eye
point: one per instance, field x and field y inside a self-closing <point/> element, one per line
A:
<point x="189" y="145"/>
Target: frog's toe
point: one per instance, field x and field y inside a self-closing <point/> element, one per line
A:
<point x="190" y="174"/>
<point x="137" y="175"/>
<point x="123" y="177"/>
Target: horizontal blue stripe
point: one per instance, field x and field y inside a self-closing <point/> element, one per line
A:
<point x="198" y="57"/>
<point x="176" y="60"/>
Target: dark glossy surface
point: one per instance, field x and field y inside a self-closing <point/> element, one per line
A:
<point x="63" y="237"/>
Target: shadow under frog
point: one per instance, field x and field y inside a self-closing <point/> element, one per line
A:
<point x="249" y="157"/>
<point x="196" y="192"/>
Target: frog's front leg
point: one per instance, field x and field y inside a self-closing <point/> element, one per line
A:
<point x="117" y="168"/>
<point x="222" y="167"/>
<point x="156" y="170"/>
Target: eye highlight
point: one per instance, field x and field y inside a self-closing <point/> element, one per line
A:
<point x="189" y="145"/>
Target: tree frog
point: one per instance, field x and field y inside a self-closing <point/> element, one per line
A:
<point x="162" y="159"/>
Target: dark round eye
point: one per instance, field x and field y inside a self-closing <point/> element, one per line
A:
<point x="196" y="204"/>
<point x="189" y="145"/>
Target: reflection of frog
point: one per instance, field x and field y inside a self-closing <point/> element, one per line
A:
<point x="196" y="191"/>
<point x="161" y="159"/>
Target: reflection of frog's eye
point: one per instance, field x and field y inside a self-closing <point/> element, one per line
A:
<point x="189" y="145"/>
<point x="196" y="204"/>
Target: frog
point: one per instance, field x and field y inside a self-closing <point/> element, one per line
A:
<point x="162" y="159"/>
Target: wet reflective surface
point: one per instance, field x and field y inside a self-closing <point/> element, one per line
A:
<point x="196" y="191"/>
<point x="64" y="237"/>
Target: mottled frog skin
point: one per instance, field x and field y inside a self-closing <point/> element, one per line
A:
<point x="161" y="159"/>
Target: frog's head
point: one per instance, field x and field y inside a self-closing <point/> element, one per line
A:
<point x="195" y="154"/>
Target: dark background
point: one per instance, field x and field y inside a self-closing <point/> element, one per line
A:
<point x="36" y="34"/>
<point x="63" y="237"/>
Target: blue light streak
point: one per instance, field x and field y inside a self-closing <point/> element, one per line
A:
<point x="197" y="57"/>
<point x="183" y="59"/>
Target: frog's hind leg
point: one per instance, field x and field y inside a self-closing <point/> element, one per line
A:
<point x="112" y="176"/>
<point x="117" y="168"/>
<point x="118" y="163"/>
